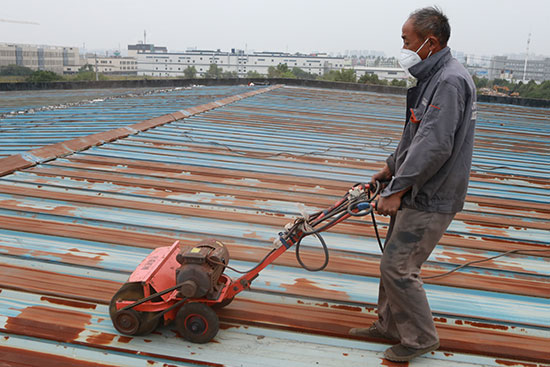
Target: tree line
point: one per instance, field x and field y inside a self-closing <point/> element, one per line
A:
<point x="520" y="89"/>
<point x="86" y="73"/>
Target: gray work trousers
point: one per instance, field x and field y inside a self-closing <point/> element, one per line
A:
<point x="403" y="309"/>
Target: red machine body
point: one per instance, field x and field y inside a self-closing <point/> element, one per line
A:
<point x="185" y="284"/>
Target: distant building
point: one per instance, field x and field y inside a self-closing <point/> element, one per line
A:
<point x="109" y="65"/>
<point x="512" y="69"/>
<point x="383" y="73"/>
<point x="133" y="50"/>
<point x="39" y="57"/>
<point x="167" y="64"/>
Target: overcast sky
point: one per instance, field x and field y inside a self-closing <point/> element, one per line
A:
<point x="480" y="27"/>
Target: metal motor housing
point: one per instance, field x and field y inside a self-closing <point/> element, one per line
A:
<point x="201" y="267"/>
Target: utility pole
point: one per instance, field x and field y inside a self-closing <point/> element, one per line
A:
<point x="144" y="37"/>
<point x="526" y="57"/>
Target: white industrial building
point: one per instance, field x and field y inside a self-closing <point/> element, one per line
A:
<point x="515" y="70"/>
<point x="169" y="64"/>
<point x="39" y="57"/>
<point x="383" y="73"/>
<point x="106" y="65"/>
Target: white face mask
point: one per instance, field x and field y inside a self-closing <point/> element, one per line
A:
<point x="409" y="58"/>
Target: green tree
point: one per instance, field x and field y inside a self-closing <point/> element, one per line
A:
<point x="331" y="75"/>
<point x="230" y="74"/>
<point x="301" y="74"/>
<point x="398" y="83"/>
<point x="281" y="71"/>
<point x="190" y="72"/>
<point x="254" y="74"/>
<point x="213" y="72"/>
<point x="87" y="75"/>
<point x="272" y="72"/>
<point x="534" y="90"/>
<point x="372" y="79"/>
<point x="480" y="82"/>
<point x="87" y="67"/>
<point x="348" y="75"/>
<point x="344" y="75"/>
<point x="15" y="70"/>
<point x="43" y="76"/>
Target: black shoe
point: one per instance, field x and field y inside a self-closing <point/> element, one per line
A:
<point x="371" y="332"/>
<point x="401" y="353"/>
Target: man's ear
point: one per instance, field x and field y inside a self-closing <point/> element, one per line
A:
<point x="433" y="43"/>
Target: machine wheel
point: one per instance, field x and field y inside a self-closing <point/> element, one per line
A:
<point x="131" y="322"/>
<point x="197" y="322"/>
<point x="222" y="304"/>
<point x="127" y="322"/>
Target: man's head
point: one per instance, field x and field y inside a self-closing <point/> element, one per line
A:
<point x="427" y="25"/>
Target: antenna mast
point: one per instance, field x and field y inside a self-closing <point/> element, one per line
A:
<point x="526" y="57"/>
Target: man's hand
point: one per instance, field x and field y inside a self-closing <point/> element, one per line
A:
<point x="383" y="175"/>
<point x="389" y="205"/>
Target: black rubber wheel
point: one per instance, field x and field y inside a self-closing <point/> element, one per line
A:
<point x="222" y="304"/>
<point x="197" y="322"/>
<point x="124" y="322"/>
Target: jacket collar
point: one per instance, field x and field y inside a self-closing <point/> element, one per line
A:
<point x="427" y="67"/>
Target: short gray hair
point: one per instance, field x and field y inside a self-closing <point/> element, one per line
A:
<point x="431" y="21"/>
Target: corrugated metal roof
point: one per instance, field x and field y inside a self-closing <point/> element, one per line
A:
<point x="73" y="229"/>
<point x="33" y="119"/>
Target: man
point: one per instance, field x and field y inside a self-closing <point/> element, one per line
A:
<point x="429" y="173"/>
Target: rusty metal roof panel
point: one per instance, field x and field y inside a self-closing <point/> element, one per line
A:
<point x="73" y="228"/>
<point x="32" y="119"/>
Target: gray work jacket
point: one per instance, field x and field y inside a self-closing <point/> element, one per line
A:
<point x="434" y="155"/>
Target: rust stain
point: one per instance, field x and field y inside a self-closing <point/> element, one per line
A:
<point x="16" y="251"/>
<point x="71" y="258"/>
<point x="124" y="339"/>
<point x="71" y="303"/>
<point x="59" y="285"/>
<point x="252" y="235"/>
<point x="486" y="326"/>
<point x="347" y="308"/>
<point x="482" y="325"/>
<point x="49" y="323"/>
<point x="303" y="286"/>
<point x="74" y="249"/>
<point x="24" y="357"/>
<point x="100" y="338"/>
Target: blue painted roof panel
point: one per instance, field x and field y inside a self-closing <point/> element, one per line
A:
<point x="72" y="230"/>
